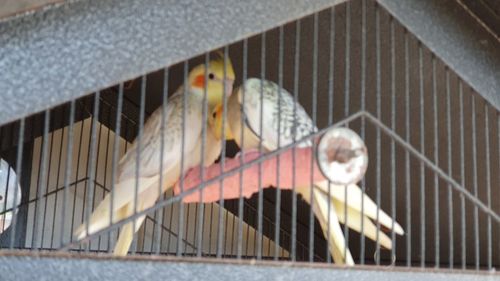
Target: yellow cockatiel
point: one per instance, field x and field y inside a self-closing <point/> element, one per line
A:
<point x="218" y="77"/>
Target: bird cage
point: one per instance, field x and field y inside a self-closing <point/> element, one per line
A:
<point x="81" y="81"/>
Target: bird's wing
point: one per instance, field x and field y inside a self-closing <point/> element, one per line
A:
<point x="279" y="111"/>
<point x="150" y="143"/>
<point x="150" y="155"/>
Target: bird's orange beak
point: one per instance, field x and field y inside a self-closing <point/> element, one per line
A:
<point x="217" y="116"/>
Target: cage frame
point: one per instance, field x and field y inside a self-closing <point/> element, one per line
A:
<point x="445" y="27"/>
<point x="53" y="266"/>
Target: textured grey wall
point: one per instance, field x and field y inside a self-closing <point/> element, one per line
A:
<point x="80" y="47"/>
<point x="14" y="268"/>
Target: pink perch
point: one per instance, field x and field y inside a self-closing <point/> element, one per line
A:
<point x="211" y="193"/>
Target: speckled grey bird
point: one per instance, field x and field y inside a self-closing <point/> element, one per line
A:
<point x="275" y="119"/>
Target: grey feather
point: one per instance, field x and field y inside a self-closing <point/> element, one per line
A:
<point x="280" y="111"/>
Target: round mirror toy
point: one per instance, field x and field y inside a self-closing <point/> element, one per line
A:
<point x="10" y="195"/>
<point x="342" y="156"/>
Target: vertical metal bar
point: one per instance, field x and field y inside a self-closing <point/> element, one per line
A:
<point x="19" y="160"/>
<point x="450" y="171"/>
<point x="59" y="161"/>
<point x="222" y="162"/>
<point x="45" y="195"/>
<point x="363" y="124"/>
<point x="261" y="117"/>
<point x="170" y="231"/>
<point x="248" y="242"/>
<point x="278" y="190"/>
<point x="393" y="144"/>
<point x="379" y="116"/>
<point x="462" y="170"/>
<point x="185" y="250"/>
<point x="196" y="230"/>
<point x="436" y="161"/>
<point x="201" y="210"/>
<point x="331" y="67"/>
<point x="158" y="250"/>
<point x="106" y="173"/>
<point x="180" y="234"/>
<point x="498" y="144"/>
<point x="233" y="236"/>
<point x="474" y="179"/>
<point x="347" y="60"/>
<point x="115" y="161"/>
<point x="92" y="159"/>
<point x="3" y="211"/>
<point x="407" y="153"/>
<point x="86" y="186"/>
<point x="171" y="211"/>
<point x="488" y="183"/>
<point x="346" y="107"/>
<point x="296" y="70"/>
<point x="43" y="173"/>
<point x="163" y="123"/>
<point x="226" y="234"/>
<point x="210" y="232"/>
<point x="314" y="107"/>
<point x="4" y="208"/>
<point x="96" y="166"/>
<point x="242" y="160"/>
<point x="422" y="150"/>
<point x="138" y="152"/>
<point x="331" y="80"/>
<point x="76" y="181"/>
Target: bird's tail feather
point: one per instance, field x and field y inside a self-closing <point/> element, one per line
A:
<point x="354" y="195"/>
<point x="354" y="221"/>
<point x="337" y="244"/>
<point x="127" y="236"/>
<point x="124" y="193"/>
<point x="145" y="200"/>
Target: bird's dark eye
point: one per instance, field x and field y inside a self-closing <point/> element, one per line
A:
<point x="214" y="114"/>
<point x="211" y="76"/>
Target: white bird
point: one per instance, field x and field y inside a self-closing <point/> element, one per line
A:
<point x="282" y="119"/>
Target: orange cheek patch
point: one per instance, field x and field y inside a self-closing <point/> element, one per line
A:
<point x="199" y="81"/>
